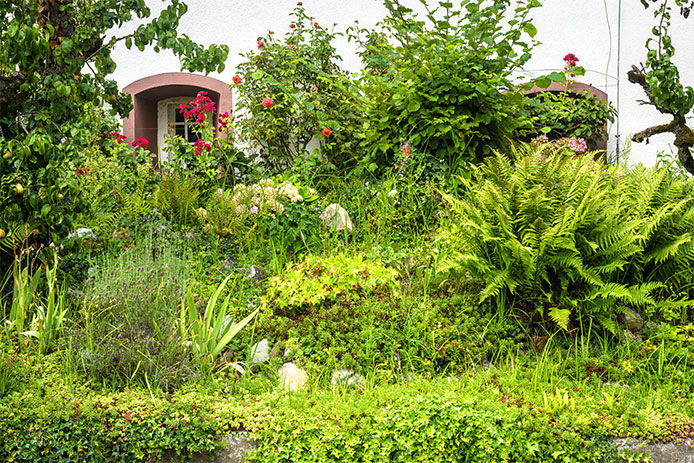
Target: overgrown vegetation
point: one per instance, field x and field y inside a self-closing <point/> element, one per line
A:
<point x="442" y="290"/>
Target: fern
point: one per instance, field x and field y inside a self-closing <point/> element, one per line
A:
<point x="550" y="231"/>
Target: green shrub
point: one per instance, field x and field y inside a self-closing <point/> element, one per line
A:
<point x="323" y="280"/>
<point x="309" y="93"/>
<point x="437" y="422"/>
<point x="177" y="198"/>
<point x="569" y="239"/>
<point x="127" y="332"/>
<point x="390" y="336"/>
<point x="569" y="114"/>
<point x="115" y="183"/>
<point x="442" y="81"/>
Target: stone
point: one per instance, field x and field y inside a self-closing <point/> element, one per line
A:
<point x="336" y="218"/>
<point x="228" y="263"/>
<point x="660" y="452"/>
<point x="261" y="351"/>
<point x="345" y="377"/>
<point x="237" y="446"/>
<point x="254" y="274"/>
<point x="83" y="233"/>
<point x="292" y="378"/>
<point x="631" y="320"/>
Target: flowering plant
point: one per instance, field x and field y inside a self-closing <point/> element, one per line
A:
<point x="291" y="90"/>
<point x="210" y="156"/>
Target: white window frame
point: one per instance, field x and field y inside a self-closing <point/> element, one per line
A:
<point x="164" y="125"/>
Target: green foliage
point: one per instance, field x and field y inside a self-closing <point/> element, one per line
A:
<point x="210" y="333"/>
<point x="568" y="114"/>
<point x="50" y="314"/>
<point x="443" y="82"/>
<point x="126" y="332"/>
<point x="114" y="182"/>
<point x="309" y="93"/>
<point x="567" y="239"/>
<point x="438" y="422"/>
<point x="319" y="280"/>
<point x="177" y="198"/>
<point x="391" y="336"/>
<point x="124" y="427"/>
<point x="44" y="94"/>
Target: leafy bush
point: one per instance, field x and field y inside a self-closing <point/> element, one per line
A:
<point x="292" y="90"/>
<point x="320" y="280"/>
<point x="391" y="336"/>
<point x="442" y="82"/>
<point x="439" y="422"/>
<point x="177" y="198"/>
<point x="568" y="239"/>
<point x="130" y="305"/>
<point x="569" y="114"/>
<point x="48" y="102"/>
<point x="282" y="213"/>
<point x="114" y="182"/>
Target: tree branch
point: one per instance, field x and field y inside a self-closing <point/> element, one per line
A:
<point x="638" y="76"/>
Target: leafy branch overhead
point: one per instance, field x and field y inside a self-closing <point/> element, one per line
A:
<point x="55" y="61"/>
<point x="660" y="80"/>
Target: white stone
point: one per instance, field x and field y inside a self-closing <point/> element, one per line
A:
<point x="336" y="218"/>
<point x="292" y="378"/>
<point x="344" y="377"/>
<point x="261" y="351"/>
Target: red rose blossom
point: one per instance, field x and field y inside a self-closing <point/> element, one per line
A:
<point x="236" y="79"/>
<point x="327" y="132"/>
<point x="267" y="102"/>
<point x="140" y="143"/>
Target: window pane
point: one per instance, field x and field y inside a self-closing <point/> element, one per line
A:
<point x="180" y="130"/>
<point x="179" y="117"/>
<point x="192" y="136"/>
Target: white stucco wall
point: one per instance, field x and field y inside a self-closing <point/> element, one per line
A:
<point x="587" y="28"/>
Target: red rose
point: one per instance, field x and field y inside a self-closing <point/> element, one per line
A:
<point x="260" y="43"/>
<point x="327" y="132"/>
<point x="236" y="79"/>
<point x="292" y="26"/>
<point x="140" y="143"/>
<point x="267" y="102"/>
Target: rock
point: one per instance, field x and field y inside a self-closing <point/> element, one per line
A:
<point x="631" y="320"/>
<point x="346" y="378"/>
<point x="660" y="452"/>
<point x="336" y="218"/>
<point x="255" y="274"/>
<point x="228" y="263"/>
<point x="292" y="378"/>
<point x="275" y="352"/>
<point x="238" y="446"/>
<point x="83" y="233"/>
<point x="261" y="351"/>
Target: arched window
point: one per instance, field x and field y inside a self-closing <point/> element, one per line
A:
<point x="156" y="101"/>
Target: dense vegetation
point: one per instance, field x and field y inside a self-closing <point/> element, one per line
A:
<point x="448" y="291"/>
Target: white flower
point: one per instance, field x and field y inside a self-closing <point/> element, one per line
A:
<point x="253" y="210"/>
<point x="393" y="192"/>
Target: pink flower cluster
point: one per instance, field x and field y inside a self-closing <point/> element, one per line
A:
<point x="140" y="143"/>
<point x="117" y="136"/>
<point x="224" y="120"/>
<point x="571" y="60"/>
<point x="201" y="145"/>
<point x="578" y="145"/>
<point x="83" y="171"/>
<point x="197" y="108"/>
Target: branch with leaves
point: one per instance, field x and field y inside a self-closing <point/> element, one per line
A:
<point x="660" y="80"/>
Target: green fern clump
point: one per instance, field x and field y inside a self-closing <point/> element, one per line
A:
<point x="177" y="198"/>
<point x="565" y="238"/>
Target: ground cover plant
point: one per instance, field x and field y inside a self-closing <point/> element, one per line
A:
<point x="442" y="290"/>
